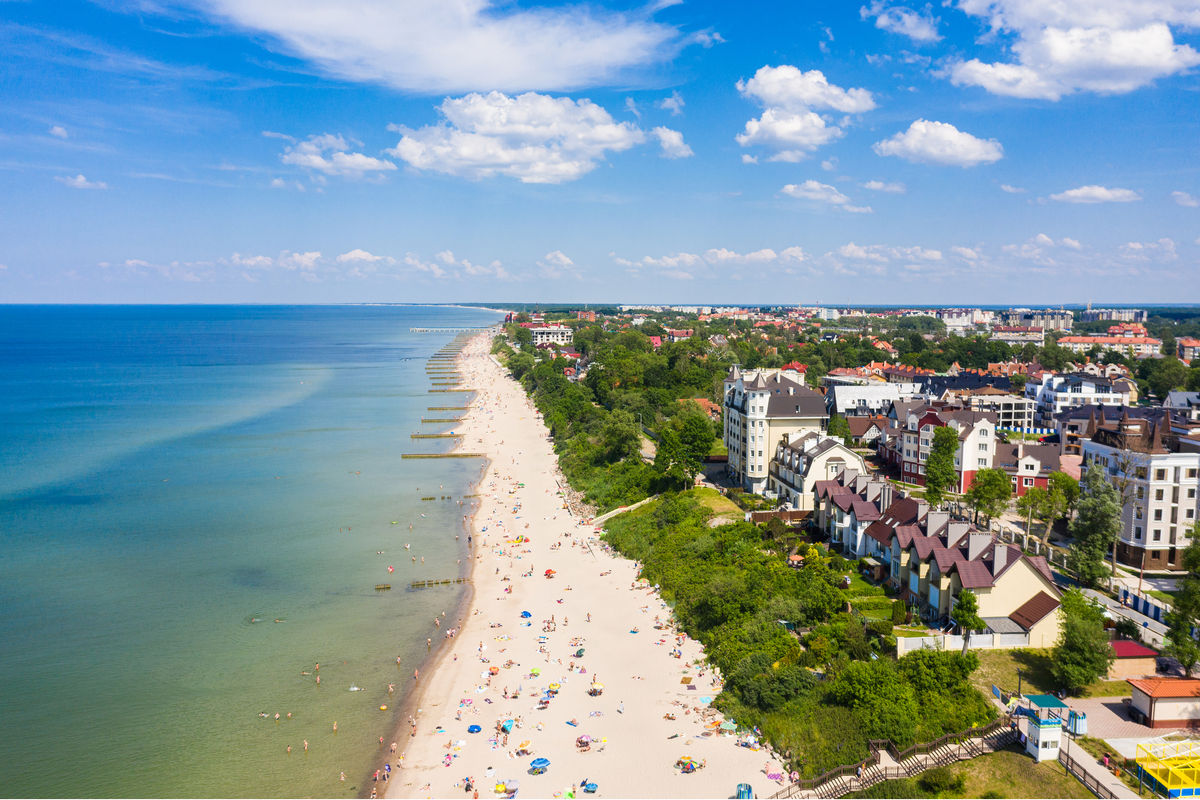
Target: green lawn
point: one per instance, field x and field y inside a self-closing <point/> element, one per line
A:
<point x="999" y="667"/>
<point x="718" y="448"/>
<point x="1006" y="773"/>
<point x="1168" y="597"/>
<point x="719" y="504"/>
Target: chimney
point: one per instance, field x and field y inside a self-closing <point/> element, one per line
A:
<point x="977" y="542"/>
<point x="999" y="558"/>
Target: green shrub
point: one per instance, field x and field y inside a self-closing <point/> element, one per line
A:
<point x="940" y="780"/>
<point x="898" y="612"/>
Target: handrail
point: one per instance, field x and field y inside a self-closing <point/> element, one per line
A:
<point x="872" y="773"/>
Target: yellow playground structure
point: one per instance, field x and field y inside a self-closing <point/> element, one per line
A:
<point x="1173" y="766"/>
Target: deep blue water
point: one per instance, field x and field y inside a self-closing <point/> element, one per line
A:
<point x="170" y="474"/>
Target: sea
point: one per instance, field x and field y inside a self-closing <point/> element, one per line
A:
<point x="196" y="506"/>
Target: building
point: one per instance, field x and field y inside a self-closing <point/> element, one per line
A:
<point x="1045" y="727"/>
<point x="1019" y="335"/>
<point x="586" y="316"/>
<point x="865" y="431"/>
<point x="1054" y="394"/>
<point x="1027" y="465"/>
<point x="550" y="334"/>
<point x="762" y="409"/>
<point x="1187" y="348"/>
<point x="679" y="336"/>
<point x="1185" y="401"/>
<point x="859" y="399"/>
<point x="1045" y="318"/>
<point x="1156" y="460"/>
<point x="1013" y="412"/>
<point x="1132" y="660"/>
<point x="1113" y="314"/>
<point x="907" y="442"/>
<point x="1166" y="702"/>
<point x="1127" y="345"/>
<point x="801" y="462"/>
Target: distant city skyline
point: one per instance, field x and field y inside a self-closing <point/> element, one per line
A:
<point x="998" y="152"/>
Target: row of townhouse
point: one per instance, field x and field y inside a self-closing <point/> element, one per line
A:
<point x="906" y="443"/>
<point x="930" y="558"/>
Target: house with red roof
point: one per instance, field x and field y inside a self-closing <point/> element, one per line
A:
<point x="1132" y="660"/>
<point x="1166" y="702"/>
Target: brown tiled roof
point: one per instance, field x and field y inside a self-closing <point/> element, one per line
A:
<point x="1167" y="687"/>
<point x="973" y="574"/>
<point x="880" y="532"/>
<point x="860" y="425"/>
<point x="844" y="501"/>
<point x="1039" y="563"/>
<point x="864" y="511"/>
<point x="1034" y="610"/>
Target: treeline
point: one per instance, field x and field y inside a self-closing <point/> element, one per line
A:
<point x="823" y="685"/>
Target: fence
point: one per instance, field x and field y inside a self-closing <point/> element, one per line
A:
<point x="1090" y="781"/>
<point x="979" y="641"/>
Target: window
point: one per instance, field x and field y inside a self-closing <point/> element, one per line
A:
<point x="1160" y="474"/>
<point x="1157" y="535"/>
<point x="983" y="462"/>
<point x="1137" y="534"/>
<point x="983" y="447"/>
<point x="1191" y="473"/>
<point x="1027" y="481"/>
<point x="1158" y="494"/>
<point x="1158" y="515"/>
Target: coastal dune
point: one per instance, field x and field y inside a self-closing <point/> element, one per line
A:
<point x="589" y="621"/>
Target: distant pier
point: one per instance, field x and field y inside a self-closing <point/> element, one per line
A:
<point x="449" y="330"/>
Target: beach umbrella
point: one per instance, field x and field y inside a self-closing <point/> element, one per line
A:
<point x="474" y="729"/>
<point x="728" y="726"/>
<point x="540" y="763"/>
<point x="535" y="671"/>
<point x="554" y="687"/>
<point x="525" y="615"/>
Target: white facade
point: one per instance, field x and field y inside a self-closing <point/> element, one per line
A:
<point x="1057" y="393"/>
<point x="797" y="467"/>
<point x="761" y="409"/>
<point x="1011" y="410"/>
<point x="551" y="334"/>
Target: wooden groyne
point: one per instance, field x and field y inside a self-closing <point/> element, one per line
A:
<point x="436" y="435"/>
<point x="448" y="408"/>
<point x="436" y="421"/>
<point x="439" y="582"/>
<point x="443" y="455"/>
<point x="434" y="391"/>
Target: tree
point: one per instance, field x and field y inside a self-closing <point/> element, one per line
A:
<point x="1067" y="489"/>
<point x="1031" y="505"/>
<point x="619" y="436"/>
<point x="523" y="337"/>
<point x="990" y="493"/>
<point x="1095" y="527"/>
<point x="1165" y="375"/>
<point x="940" y="474"/>
<point x="1082" y="654"/>
<point x="1185" y="614"/>
<point x="966" y="614"/>
<point x="839" y="428"/>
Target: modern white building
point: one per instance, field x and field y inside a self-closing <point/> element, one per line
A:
<point x="801" y="462"/>
<point x="762" y="409"/>
<point x="550" y="334"/>
<point x="1057" y="393"/>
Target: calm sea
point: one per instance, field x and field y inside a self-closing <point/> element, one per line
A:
<point x="172" y="481"/>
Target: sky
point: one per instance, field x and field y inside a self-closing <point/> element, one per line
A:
<point x="877" y="152"/>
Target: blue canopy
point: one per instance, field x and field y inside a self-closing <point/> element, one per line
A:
<point x="474" y="729"/>
<point x="526" y="615"/>
<point x="540" y="763"/>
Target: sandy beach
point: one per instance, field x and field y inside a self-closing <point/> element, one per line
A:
<point x="531" y="646"/>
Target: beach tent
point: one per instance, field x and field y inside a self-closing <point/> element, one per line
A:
<point x="539" y="765"/>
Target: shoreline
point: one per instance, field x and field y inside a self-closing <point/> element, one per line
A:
<point x="640" y="725"/>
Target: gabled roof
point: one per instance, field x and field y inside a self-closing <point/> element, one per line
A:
<point x="1034" y="610"/>
<point x="1039" y="563"/>
<point x="845" y="501"/>
<point x="1167" y="687"/>
<point x="906" y="533"/>
<point x="864" y="511"/>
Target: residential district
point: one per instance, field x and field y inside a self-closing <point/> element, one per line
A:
<point x="909" y="539"/>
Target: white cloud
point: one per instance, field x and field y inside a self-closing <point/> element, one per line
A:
<point x="80" y="182"/>
<point x="789" y="125"/>
<point x="359" y="256"/>
<point x="787" y="87"/>
<point x="672" y="143"/>
<point x="1067" y="241"/>
<point x="686" y="266"/>
<point x="881" y="186"/>
<point x="1161" y="250"/>
<point x="929" y="142"/>
<point x="435" y="46"/>
<point x="445" y="256"/>
<point x="749" y="159"/>
<point x="1103" y="46"/>
<point x="532" y="137"/>
<point x="558" y="258"/>
<point x="830" y="164"/>
<point x="920" y="27"/>
<point x="969" y="253"/>
<point x="880" y="254"/>
<point x="59" y="132"/>
<point x="555" y="264"/>
<point x="1185" y="199"/>
<point x="251" y="262"/>
<point x="632" y="107"/>
<point x="674" y="104"/>
<point x="823" y="193"/>
<point x="328" y="154"/>
<point x="304" y="262"/>
<point x="1096" y="194"/>
<point x="424" y="266"/>
<point x="1004" y="187"/>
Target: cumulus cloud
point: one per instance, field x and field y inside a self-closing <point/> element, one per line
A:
<point x="1096" y="194"/>
<point x="555" y="264"/>
<point x="1185" y="199"/>
<point x="1161" y="250"/>
<point x="58" y="132"/>
<point x="881" y="186"/>
<point x="532" y="137"/>
<point x="359" y="256"/>
<point x="672" y="143"/>
<point x="921" y="27"/>
<point x="328" y="154"/>
<point x="929" y="142"/>
<point x="1004" y="187"/>
<point x="434" y="46"/>
<point x="251" y="262"/>
<point x="969" y="253"/>
<point x="1102" y="46"/>
<point x="823" y="193"/>
<point x="789" y="125"/>
<point x="674" y="104"/>
<point x="303" y="262"/>
<point x="457" y="268"/>
<point x="686" y="266"/>
<point x="80" y="182"/>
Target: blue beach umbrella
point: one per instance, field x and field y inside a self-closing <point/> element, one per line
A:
<point x="474" y="729"/>
<point x="540" y="764"/>
<point x="525" y="615"/>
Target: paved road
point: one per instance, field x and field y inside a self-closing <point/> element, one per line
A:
<point x="1152" y="630"/>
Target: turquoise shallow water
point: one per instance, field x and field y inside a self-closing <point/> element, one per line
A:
<point x="167" y="475"/>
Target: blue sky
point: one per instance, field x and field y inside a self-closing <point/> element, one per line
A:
<point x="971" y="151"/>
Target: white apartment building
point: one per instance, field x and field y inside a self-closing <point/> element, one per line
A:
<point x="913" y="441"/>
<point x="763" y="408"/>
<point x="1012" y="411"/>
<point x="550" y="334"/>
<point x="1057" y="393"/>
<point x="803" y="461"/>
<point x="1131" y="346"/>
<point x="1162" y="472"/>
